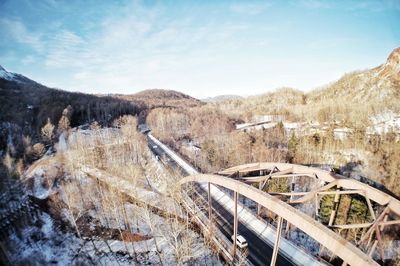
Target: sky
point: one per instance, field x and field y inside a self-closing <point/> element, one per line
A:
<point x="202" y="48"/>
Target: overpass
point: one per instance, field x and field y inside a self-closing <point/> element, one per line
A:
<point x="261" y="236"/>
<point x="384" y="209"/>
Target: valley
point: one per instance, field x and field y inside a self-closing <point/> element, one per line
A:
<point x="84" y="183"/>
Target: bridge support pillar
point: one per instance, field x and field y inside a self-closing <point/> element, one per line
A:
<point x="235" y="225"/>
<point x="371" y="251"/>
<point x="335" y="208"/>
<point x="209" y="207"/>
<point x="380" y="244"/>
<point x="258" y="204"/>
<point x="277" y="238"/>
<point x="260" y="187"/>
<point x="292" y="189"/>
<point x="287" y="229"/>
<point x="317" y="206"/>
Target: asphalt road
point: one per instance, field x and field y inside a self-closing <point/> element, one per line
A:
<point x="259" y="252"/>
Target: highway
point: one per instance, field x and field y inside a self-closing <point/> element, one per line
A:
<point x="259" y="252"/>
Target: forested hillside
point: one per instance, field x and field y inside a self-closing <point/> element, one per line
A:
<point x="27" y="106"/>
<point x="352" y="99"/>
<point x="356" y="102"/>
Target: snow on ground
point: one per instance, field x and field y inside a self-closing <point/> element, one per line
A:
<point x="39" y="191"/>
<point x="384" y="123"/>
<point x="156" y="176"/>
<point x="95" y="137"/>
<point x="43" y="242"/>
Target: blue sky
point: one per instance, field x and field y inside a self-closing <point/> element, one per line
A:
<point x="203" y="48"/>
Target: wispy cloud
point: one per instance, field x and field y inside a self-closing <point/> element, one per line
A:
<point x="16" y="30"/>
<point x="374" y="5"/>
<point x="133" y="48"/>
<point x="66" y="49"/>
<point x="28" y="60"/>
<point x="358" y="5"/>
<point x="249" y="8"/>
<point x="316" y="4"/>
<point x="137" y="45"/>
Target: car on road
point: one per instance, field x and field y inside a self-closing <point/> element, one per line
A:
<point x="240" y="241"/>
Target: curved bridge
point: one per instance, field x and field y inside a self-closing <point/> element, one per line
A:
<point x="384" y="209"/>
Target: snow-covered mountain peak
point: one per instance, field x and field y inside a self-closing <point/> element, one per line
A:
<point x="5" y="74"/>
<point x="14" y="77"/>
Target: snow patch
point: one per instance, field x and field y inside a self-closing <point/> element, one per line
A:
<point x="62" y="144"/>
<point x="47" y="226"/>
<point x="42" y="244"/>
<point x="384" y="123"/>
<point x="39" y="190"/>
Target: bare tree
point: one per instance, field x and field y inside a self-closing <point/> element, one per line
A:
<point x="47" y="132"/>
<point x="72" y="199"/>
<point x="64" y="124"/>
<point x="147" y="217"/>
<point x="8" y="162"/>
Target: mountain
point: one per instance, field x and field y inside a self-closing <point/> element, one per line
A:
<point x="377" y="84"/>
<point x="4" y="74"/>
<point x="353" y="99"/>
<point x="25" y="106"/>
<point x="154" y="98"/>
<point x="220" y="98"/>
<point x="164" y="94"/>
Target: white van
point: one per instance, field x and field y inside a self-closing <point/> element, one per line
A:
<point x="240" y="241"/>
